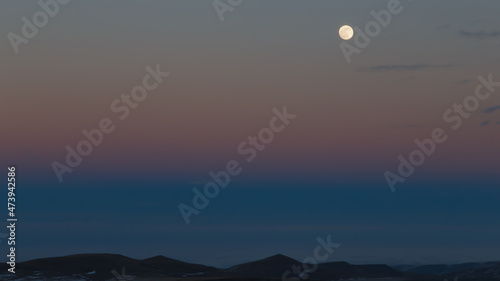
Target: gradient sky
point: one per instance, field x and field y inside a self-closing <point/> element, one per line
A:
<point x="322" y="175"/>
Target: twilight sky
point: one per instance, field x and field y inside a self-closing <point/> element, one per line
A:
<point x="323" y="174"/>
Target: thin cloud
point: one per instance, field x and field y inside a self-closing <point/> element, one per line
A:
<point x="479" y="34"/>
<point x="492" y="109"/>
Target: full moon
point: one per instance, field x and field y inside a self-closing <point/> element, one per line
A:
<point x="346" y="32"/>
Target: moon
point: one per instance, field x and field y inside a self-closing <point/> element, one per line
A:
<point x="346" y="32"/>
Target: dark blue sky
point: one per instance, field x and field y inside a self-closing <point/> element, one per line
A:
<point x="426" y="221"/>
<point x="322" y="174"/>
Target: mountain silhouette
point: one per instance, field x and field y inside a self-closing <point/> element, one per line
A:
<point x="276" y="267"/>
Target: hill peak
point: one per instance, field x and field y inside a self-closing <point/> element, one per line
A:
<point x="157" y="258"/>
<point x="278" y="257"/>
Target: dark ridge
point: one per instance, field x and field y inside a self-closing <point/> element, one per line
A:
<point x="176" y="267"/>
<point x="276" y="267"/>
<point x="270" y="267"/>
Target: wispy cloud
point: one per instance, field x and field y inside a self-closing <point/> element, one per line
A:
<point x="492" y="109"/>
<point x="479" y="34"/>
